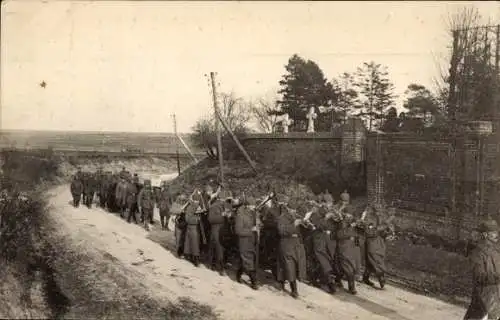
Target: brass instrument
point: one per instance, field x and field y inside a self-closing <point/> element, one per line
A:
<point x="266" y="200"/>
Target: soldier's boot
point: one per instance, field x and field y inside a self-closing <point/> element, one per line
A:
<point x="293" y="286"/>
<point x="352" y="286"/>
<point x="331" y="284"/>
<point x="338" y="282"/>
<point x="381" y="280"/>
<point x="253" y="280"/>
<point x="196" y="261"/>
<point x="239" y="273"/>
<point x="179" y="252"/>
<point x="222" y="270"/>
<point x="366" y="279"/>
<point x="282" y="285"/>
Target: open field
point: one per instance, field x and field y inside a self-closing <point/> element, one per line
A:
<point x="158" y="143"/>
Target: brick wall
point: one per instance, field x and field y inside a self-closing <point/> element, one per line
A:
<point x="324" y="160"/>
<point x="415" y="175"/>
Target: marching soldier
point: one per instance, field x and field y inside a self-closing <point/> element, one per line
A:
<point x="292" y="259"/>
<point x="164" y="203"/>
<point x="89" y="188"/>
<point x="180" y="223"/>
<point x="76" y="190"/>
<point x="270" y="236"/>
<point x="348" y="252"/>
<point x="132" y="198"/>
<point x="217" y="218"/>
<point x="146" y="202"/>
<point x="325" y="243"/>
<point x="375" y="232"/>
<point x="485" y="258"/>
<point x="192" y="237"/>
<point x="245" y="228"/>
<point x="99" y="176"/>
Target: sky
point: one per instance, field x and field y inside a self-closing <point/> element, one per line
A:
<point x="128" y="66"/>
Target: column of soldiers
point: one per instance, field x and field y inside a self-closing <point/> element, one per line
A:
<point x="280" y="235"/>
<point x="317" y="241"/>
<point x="122" y="193"/>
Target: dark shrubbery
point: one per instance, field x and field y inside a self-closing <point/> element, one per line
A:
<point x="22" y="211"/>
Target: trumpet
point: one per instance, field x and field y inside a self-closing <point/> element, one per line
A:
<point x="304" y="221"/>
<point x="266" y="200"/>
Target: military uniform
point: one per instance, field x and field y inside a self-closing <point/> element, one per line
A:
<point x="146" y="202"/>
<point x="192" y="236"/>
<point x="180" y="225"/>
<point x="348" y="252"/>
<point x="76" y="191"/>
<point x="89" y="188"/>
<point x="269" y="237"/>
<point x="485" y="259"/>
<point x="324" y="243"/>
<point x="132" y="198"/>
<point x="375" y="234"/>
<point x="217" y="222"/>
<point x="164" y="203"/>
<point x="292" y="256"/>
<point x="245" y="222"/>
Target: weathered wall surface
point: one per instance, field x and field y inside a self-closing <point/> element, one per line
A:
<point x="324" y="160"/>
<point x="415" y="175"/>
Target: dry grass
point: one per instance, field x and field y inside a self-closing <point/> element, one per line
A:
<point x="43" y="275"/>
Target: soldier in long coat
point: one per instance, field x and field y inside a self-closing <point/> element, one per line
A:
<point x="348" y="252"/>
<point x="164" y="203"/>
<point x="89" y="189"/>
<point x="98" y="177"/>
<point x="217" y="219"/>
<point x="192" y="237"/>
<point x="103" y="189"/>
<point x="246" y="229"/>
<point x="132" y="199"/>
<point x="292" y="255"/>
<point x="375" y="232"/>
<point x="76" y="190"/>
<point x="324" y="242"/>
<point x="146" y="202"/>
<point x="485" y="259"/>
<point x="178" y="211"/>
<point x="269" y="239"/>
<point x="121" y="196"/>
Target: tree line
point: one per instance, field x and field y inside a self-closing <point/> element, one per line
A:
<point x="469" y="89"/>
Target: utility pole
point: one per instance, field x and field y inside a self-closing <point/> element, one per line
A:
<point x="217" y="128"/>
<point x="176" y="145"/>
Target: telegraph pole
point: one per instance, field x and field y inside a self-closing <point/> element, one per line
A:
<point x="176" y="145"/>
<point x="217" y="128"/>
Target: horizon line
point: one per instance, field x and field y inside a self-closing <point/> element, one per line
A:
<point x="90" y="131"/>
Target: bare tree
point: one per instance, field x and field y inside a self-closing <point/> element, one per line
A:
<point x="264" y="112"/>
<point x="236" y="114"/>
<point x="472" y="77"/>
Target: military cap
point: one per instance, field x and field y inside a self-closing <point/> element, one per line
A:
<point x="147" y="182"/>
<point x="345" y="196"/>
<point x="488" y="225"/>
<point x="209" y="189"/>
<point x="328" y="198"/>
<point x="251" y="201"/>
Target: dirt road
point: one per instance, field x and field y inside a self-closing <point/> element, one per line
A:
<point x="168" y="278"/>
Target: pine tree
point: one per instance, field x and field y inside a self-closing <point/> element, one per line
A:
<point x="421" y="103"/>
<point x="375" y="92"/>
<point x="347" y="97"/>
<point x="302" y="87"/>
